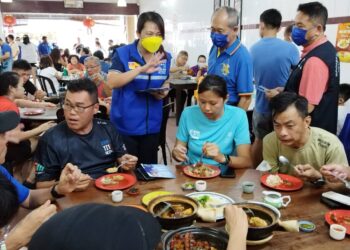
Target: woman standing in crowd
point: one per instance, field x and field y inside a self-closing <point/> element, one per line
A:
<point x="135" y="67"/>
<point x="218" y="131"/>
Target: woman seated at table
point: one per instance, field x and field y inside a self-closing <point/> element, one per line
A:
<point x="74" y="66"/>
<point x="11" y="87"/>
<point x="201" y="68"/>
<point x="214" y="129"/>
<point x="47" y="70"/>
<point x="58" y="61"/>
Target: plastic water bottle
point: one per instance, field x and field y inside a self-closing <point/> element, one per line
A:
<point x="65" y="72"/>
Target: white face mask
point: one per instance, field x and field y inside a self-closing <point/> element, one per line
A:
<point x="201" y="65"/>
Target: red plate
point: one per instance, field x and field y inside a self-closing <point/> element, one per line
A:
<point x="34" y="112"/>
<point x="292" y="183"/>
<point x="128" y="181"/>
<point x="339" y="215"/>
<point x="187" y="171"/>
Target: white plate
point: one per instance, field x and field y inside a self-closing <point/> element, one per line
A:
<point x="219" y="199"/>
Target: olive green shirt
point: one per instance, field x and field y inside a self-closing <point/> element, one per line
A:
<point x="322" y="148"/>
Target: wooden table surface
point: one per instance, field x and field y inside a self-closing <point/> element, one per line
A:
<point x="179" y="85"/>
<point x="305" y="204"/>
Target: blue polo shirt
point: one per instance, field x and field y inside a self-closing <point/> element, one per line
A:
<point x="228" y="132"/>
<point x="22" y="191"/>
<point x="273" y="60"/>
<point x="235" y="66"/>
<point x="44" y="49"/>
<point x="134" y="112"/>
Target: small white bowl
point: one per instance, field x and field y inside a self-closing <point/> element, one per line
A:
<point x="337" y="232"/>
<point x="117" y="196"/>
<point x="200" y="185"/>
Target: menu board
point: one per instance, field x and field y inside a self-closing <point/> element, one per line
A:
<point x="343" y="42"/>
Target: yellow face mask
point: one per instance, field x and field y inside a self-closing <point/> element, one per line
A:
<point x="152" y="43"/>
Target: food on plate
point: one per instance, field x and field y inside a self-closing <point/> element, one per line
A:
<point x="273" y="180"/>
<point x="189" y="241"/>
<point x="203" y="200"/>
<point x="111" y="170"/>
<point x="177" y="210"/>
<point x="201" y="171"/>
<point x="112" y="180"/>
<point x="257" y="222"/>
<point x="339" y="219"/>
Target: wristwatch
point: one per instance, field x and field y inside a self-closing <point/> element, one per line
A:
<point x="319" y="182"/>
<point x="54" y="194"/>
<point x="227" y="160"/>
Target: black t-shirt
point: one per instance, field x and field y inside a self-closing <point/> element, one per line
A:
<point x="92" y="153"/>
<point x="29" y="87"/>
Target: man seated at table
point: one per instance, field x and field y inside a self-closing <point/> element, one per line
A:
<point x="307" y="148"/>
<point x="13" y="194"/>
<point x="24" y="69"/>
<point x="92" y="144"/>
<point x="94" y="73"/>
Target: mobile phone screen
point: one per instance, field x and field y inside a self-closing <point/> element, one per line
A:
<point x="227" y="172"/>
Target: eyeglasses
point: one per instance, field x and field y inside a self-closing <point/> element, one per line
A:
<point x="78" y="109"/>
<point x="91" y="67"/>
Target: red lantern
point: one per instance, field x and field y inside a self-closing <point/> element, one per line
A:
<point x="9" y="20"/>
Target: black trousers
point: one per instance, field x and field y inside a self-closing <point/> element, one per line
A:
<point x="145" y="147"/>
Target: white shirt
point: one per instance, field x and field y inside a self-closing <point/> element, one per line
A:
<point x="29" y="52"/>
<point x="50" y="72"/>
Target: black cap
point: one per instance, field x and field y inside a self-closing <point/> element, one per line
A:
<point x="8" y="120"/>
<point x="98" y="226"/>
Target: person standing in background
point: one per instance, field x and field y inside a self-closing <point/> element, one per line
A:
<point x="6" y="57"/>
<point x="30" y="54"/>
<point x="268" y="52"/>
<point x="14" y="47"/>
<point x="229" y="58"/>
<point x="44" y="47"/>
<point x="316" y="76"/>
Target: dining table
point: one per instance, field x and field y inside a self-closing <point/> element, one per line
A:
<point x="180" y="85"/>
<point x="305" y="205"/>
<point x="48" y="114"/>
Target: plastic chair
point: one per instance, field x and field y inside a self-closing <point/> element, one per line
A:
<point x="45" y="82"/>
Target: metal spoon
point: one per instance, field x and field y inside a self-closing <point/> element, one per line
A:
<point x="286" y="162"/>
<point x="247" y="210"/>
<point x="115" y="170"/>
<point x="166" y="206"/>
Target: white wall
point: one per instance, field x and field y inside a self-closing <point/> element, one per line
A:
<point x="186" y="25"/>
<point x="253" y="8"/>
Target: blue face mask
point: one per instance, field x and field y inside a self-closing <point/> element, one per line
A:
<point x="298" y="36"/>
<point x="219" y="40"/>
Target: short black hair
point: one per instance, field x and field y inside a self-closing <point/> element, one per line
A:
<point x="289" y="29"/>
<point x="21" y="64"/>
<point x="201" y="56"/>
<point x="84" y="84"/>
<point x="8" y="79"/>
<point x="344" y="91"/>
<point x="11" y="37"/>
<point x="153" y="17"/>
<point x="86" y="50"/>
<point x="213" y="83"/>
<point x="284" y="100"/>
<point x="9" y="202"/>
<point x="271" y="18"/>
<point x="316" y="11"/>
<point x="99" y="54"/>
<point x="71" y="56"/>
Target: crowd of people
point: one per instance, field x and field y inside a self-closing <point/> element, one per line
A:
<point x="300" y="109"/>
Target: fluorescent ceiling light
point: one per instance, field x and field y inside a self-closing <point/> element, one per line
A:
<point x="121" y="3"/>
<point x="6" y="1"/>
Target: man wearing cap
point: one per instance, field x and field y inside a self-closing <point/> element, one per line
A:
<point x="13" y="194"/>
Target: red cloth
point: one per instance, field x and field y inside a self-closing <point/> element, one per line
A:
<point x="7" y="105"/>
